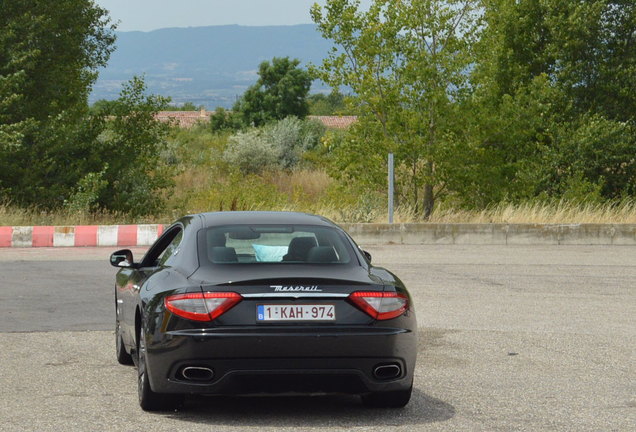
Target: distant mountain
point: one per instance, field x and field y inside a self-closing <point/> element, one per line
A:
<point x="210" y="66"/>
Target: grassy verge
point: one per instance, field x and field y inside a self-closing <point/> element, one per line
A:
<point x="539" y="213"/>
<point x="15" y="216"/>
<point x="544" y="213"/>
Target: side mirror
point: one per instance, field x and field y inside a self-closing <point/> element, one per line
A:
<point x="122" y="258"/>
<point x="366" y="254"/>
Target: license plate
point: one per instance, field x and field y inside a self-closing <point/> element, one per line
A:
<point x="305" y="312"/>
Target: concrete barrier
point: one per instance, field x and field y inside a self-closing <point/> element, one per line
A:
<point x="364" y="234"/>
<point x="494" y="234"/>
<point x="79" y="235"/>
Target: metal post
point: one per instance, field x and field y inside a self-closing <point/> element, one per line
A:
<point x="390" y="188"/>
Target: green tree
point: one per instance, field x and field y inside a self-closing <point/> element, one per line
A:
<point x="554" y="103"/>
<point x="281" y="91"/>
<point x="327" y="104"/>
<point x="102" y="106"/>
<point x="406" y="62"/>
<point x="222" y="120"/>
<point x="596" y="151"/>
<point x="502" y="149"/>
<point x="50" y="52"/>
<point x="586" y="48"/>
<point x="187" y="106"/>
<point x="130" y="147"/>
<point x="12" y="129"/>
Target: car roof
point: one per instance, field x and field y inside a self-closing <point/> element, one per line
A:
<point x="263" y="217"/>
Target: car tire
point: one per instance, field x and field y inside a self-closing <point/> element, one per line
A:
<point x="148" y="399"/>
<point x="391" y="399"/>
<point x="120" y="350"/>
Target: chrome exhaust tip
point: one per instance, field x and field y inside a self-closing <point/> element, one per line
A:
<point x="387" y="371"/>
<point x="197" y="373"/>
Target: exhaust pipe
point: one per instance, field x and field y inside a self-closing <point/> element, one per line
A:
<point x="387" y="371"/>
<point x="197" y="373"/>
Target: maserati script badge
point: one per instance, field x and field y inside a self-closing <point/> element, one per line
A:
<point x="297" y="288"/>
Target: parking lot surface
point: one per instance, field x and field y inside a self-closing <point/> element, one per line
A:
<point x="510" y="338"/>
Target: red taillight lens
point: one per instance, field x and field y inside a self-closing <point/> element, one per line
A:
<point x="380" y="305"/>
<point x="202" y="306"/>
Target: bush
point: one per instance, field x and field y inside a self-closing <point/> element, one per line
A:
<point x="280" y="144"/>
<point x="312" y="132"/>
<point x="579" y="190"/>
<point x="86" y="195"/>
<point x="594" y="155"/>
<point x="295" y="137"/>
<point x="287" y="136"/>
<point x="251" y="152"/>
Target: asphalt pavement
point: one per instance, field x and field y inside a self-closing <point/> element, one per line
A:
<point x="511" y="338"/>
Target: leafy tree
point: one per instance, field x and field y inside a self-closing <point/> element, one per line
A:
<point x="586" y="48"/>
<point x="222" y="120"/>
<point x="131" y="144"/>
<point x="555" y="102"/>
<point x="501" y="152"/>
<point x="187" y="106"/>
<point x="281" y="91"/>
<point x="11" y="130"/>
<point x="406" y="63"/>
<point x="50" y="52"/>
<point x="326" y="105"/>
<point x="54" y="151"/>
<point x="596" y="151"/>
<point x="58" y="46"/>
<point x="102" y="106"/>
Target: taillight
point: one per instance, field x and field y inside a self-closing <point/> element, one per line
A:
<point x="380" y="305"/>
<point x="202" y="306"/>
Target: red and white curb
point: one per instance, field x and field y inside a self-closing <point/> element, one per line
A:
<point x="79" y="235"/>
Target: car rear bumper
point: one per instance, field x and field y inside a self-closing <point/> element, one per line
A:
<point x="255" y="360"/>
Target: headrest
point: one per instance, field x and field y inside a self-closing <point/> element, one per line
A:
<point x="299" y="248"/>
<point x="322" y="254"/>
<point x="220" y="255"/>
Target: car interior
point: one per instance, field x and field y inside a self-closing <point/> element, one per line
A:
<point x="279" y="244"/>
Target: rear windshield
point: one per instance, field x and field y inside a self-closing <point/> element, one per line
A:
<point x="273" y="244"/>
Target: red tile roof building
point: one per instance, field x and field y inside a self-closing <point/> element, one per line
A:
<point x="335" y="122"/>
<point x="184" y="119"/>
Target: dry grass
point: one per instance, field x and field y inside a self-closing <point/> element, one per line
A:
<point x="14" y="216"/>
<point x="539" y="213"/>
<point x="543" y="213"/>
<point x="311" y="183"/>
<point x="192" y="179"/>
<point x="534" y="213"/>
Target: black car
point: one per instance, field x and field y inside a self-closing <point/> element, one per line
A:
<point x="236" y="303"/>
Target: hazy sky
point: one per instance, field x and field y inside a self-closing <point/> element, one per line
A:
<point x="148" y="15"/>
